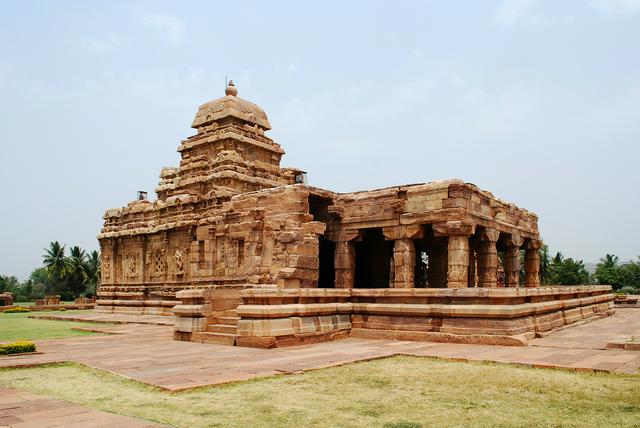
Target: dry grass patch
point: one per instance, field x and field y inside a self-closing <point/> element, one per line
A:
<point x="399" y="391"/>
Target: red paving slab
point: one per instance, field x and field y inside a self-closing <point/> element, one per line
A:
<point x="147" y="353"/>
<point x="22" y="409"/>
<point x="595" y="335"/>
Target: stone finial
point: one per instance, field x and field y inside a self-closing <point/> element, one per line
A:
<point x="231" y="89"/>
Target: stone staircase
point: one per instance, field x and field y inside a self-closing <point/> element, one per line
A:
<point x="222" y="328"/>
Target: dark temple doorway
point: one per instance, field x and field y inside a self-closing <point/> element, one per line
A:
<point x="326" y="269"/>
<point x="373" y="260"/>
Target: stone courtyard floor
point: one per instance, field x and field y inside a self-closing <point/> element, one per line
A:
<point x="147" y="353"/>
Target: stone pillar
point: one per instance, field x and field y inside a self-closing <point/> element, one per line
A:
<point x="512" y="261"/>
<point x="404" y="261"/>
<point x="344" y="264"/>
<point x="458" y="251"/>
<point x="532" y="263"/>
<point x="458" y="256"/>
<point x="404" y="253"/>
<point x="488" y="259"/>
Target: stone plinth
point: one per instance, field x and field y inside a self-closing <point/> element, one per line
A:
<point x="507" y="316"/>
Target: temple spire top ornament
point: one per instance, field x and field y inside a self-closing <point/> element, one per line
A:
<point x="231" y="89"/>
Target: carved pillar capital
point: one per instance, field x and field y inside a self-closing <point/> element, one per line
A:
<point x="533" y="244"/>
<point x="336" y="211"/>
<point x="454" y="228"/>
<point x="345" y="235"/>
<point x="513" y="240"/>
<point x="488" y="235"/>
<point x="412" y="231"/>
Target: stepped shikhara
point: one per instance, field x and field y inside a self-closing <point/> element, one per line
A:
<point x="243" y="251"/>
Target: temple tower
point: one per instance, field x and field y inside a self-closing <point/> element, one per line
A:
<point x="230" y="154"/>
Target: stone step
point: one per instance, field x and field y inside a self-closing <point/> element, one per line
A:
<point x="229" y="313"/>
<point x="225" y="320"/>
<point x="222" y="328"/>
<point x="215" y="338"/>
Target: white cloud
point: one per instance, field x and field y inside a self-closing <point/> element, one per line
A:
<point x="616" y="7"/>
<point x="505" y="113"/>
<point x="292" y="67"/>
<point x="457" y="81"/>
<point x="95" y="46"/>
<point x="514" y="12"/>
<point x="511" y="12"/>
<point x="416" y="54"/>
<point x="169" y="27"/>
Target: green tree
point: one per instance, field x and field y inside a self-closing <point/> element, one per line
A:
<point x="92" y="268"/>
<point x="55" y="261"/>
<point x="8" y="284"/>
<point x="76" y="275"/>
<point x="629" y="275"/>
<point x="608" y="271"/>
<point x="570" y="272"/>
<point x="42" y="283"/>
<point x="545" y="265"/>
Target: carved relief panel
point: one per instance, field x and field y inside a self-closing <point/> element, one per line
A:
<point x="106" y="268"/>
<point x="179" y="261"/>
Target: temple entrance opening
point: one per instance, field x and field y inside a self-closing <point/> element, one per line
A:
<point x="319" y="209"/>
<point x="326" y="268"/>
<point x="431" y="260"/>
<point x="374" y="256"/>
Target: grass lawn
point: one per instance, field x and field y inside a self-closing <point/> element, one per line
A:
<point x="393" y="392"/>
<point x="20" y="327"/>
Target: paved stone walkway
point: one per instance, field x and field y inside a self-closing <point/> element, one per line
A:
<point x="23" y="409"/>
<point x="147" y="353"/>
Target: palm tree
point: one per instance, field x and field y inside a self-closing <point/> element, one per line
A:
<point x="92" y="268"/>
<point x="77" y="273"/>
<point x="55" y="261"/>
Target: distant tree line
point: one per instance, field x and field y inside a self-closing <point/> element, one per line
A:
<point x="623" y="277"/>
<point x="70" y="276"/>
<point x="561" y="270"/>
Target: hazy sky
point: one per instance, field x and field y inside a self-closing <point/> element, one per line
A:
<point x="535" y="101"/>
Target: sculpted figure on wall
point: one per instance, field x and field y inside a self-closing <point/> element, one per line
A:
<point x="106" y="267"/>
<point x="179" y="258"/>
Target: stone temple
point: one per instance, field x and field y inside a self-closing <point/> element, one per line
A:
<point x="242" y="251"/>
